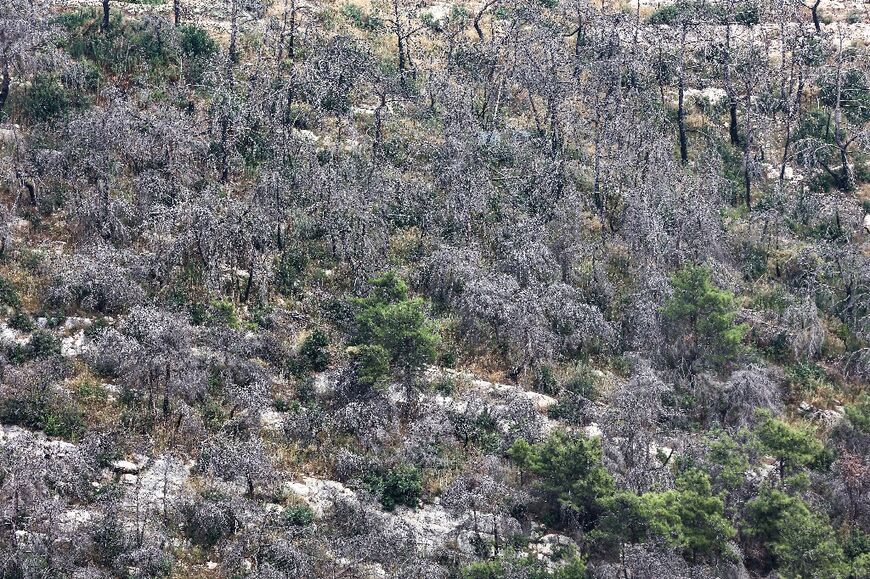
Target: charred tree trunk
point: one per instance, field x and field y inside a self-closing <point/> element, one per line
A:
<point x="234" y="31"/>
<point x="105" y="25"/>
<point x="786" y="148"/>
<point x="291" y="42"/>
<point x="479" y="16"/>
<point x="5" y="82"/>
<point x="747" y="159"/>
<point x="681" y="122"/>
<point x="729" y="89"/>
<point x="249" y="283"/>
<point x="814" y="9"/>
<point x="681" y="111"/>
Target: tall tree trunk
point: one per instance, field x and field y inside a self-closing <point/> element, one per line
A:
<point x="479" y="16"/>
<point x="249" y="283"/>
<point x="176" y="12"/>
<point x="747" y="182"/>
<point x="291" y="42"/>
<point x="105" y="24"/>
<point x="402" y="64"/>
<point x="732" y="121"/>
<point x="5" y="81"/>
<point x="729" y="89"/>
<point x="747" y="158"/>
<point x="681" y="111"/>
<point x="846" y="178"/>
<point x="681" y="122"/>
<point x="234" y="31"/>
<point x="815" y="12"/>
<point x="786" y="149"/>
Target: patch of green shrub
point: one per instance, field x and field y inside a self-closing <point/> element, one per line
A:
<point x="314" y="352"/>
<point x="21" y="321"/>
<point x="361" y="19"/>
<point x="46" y="412"/>
<point x="8" y="294"/>
<point x="702" y="319"/>
<point x="389" y="324"/>
<point x="400" y="485"/>
<point x="298" y="516"/>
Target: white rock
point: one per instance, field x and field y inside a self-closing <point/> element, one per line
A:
<point x="155" y="485"/>
<point x="714" y="95"/>
<point x="72" y="519"/>
<point x="21" y="226"/>
<point x="9" y="134"/>
<point x="542" y="402"/>
<point x="11" y="336"/>
<point x="305" y="135"/>
<point x="74" y="345"/>
<point x="74" y="323"/>
<point x="272" y="420"/>
<point x="440" y="12"/>
<point x="760" y="473"/>
<point x="469" y="542"/>
<point x="371" y="571"/>
<point x="322" y="384"/>
<point x="593" y="430"/>
<point x="829" y="417"/>
<point x="125" y="466"/>
<point x="432" y="525"/>
<point x="549" y="544"/>
<point x="320" y="494"/>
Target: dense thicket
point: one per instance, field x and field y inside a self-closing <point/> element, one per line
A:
<point x="254" y="257"/>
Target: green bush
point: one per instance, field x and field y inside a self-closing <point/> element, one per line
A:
<point x="47" y="98"/>
<point x="859" y="413"/>
<point x="569" y="473"/>
<point x="43" y="411"/>
<point x="371" y="363"/>
<point x="314" y="352"/>
<point x="389" y="323"/>
<point x="665" y="15"/>
<point x="289" y="270"/>
<point x="196" y="42"/>
<point x="689" y="517"/>
<point x="63" y="421"/>
<point x="572" y="408"/>
<point x="298" y="516"/>
<point x="583" y="382"/>
<point x="701" y="528"/>
<point x="42" y="344"/>
<point x="208" y="519"/>
<point x="361" y="19"/>
<point x="794" y="447"/>
<point x="216" y="313"/>
<point x="807" y="378"/>
<point x="8" y="294"/>
<point x="400" y="485"/>
<point x="545" y="381"/>
<point x="508" y="565"/>
<point x="21" y="321"/>
<point x="701" y="319"/>
<point x="800" y="542"/>
<point x="851" y="92"/>
<point x="127" y="47"/>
